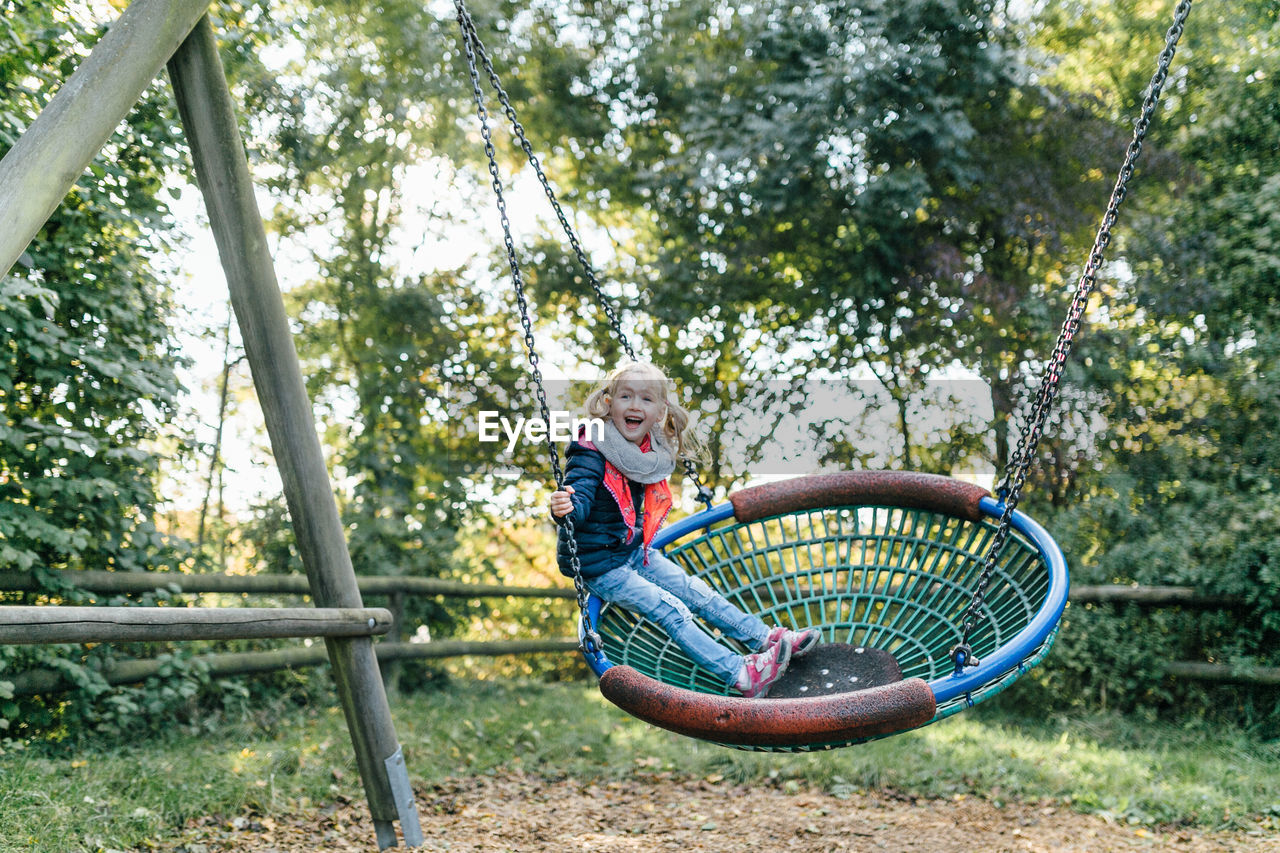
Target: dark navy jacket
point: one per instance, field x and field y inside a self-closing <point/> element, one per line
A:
<point x="598" y="526"/>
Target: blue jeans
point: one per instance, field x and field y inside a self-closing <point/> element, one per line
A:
<point x="664" y="593"/>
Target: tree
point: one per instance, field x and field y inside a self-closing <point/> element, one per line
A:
<point x="1182" y="488"/>
<point x="87" y="382"/>
<point x="401" y="350"/>
<point x="840" y="190"/>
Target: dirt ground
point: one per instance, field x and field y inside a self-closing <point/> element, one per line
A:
<point x="519" y="812"/>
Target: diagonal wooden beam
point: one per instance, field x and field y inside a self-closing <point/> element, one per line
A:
<point x="222" y="171"/>
<point x="52" y="154"/>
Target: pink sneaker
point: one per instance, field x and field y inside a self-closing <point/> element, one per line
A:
<point x="802" y="642"/>
<point x="761" y="669"/>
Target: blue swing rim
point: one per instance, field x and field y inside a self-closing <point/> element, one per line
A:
<point x="993" y="666"/>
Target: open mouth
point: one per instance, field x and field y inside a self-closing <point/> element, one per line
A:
<point x="633" y="423"/>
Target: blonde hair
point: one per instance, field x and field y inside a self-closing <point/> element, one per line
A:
<point x="675" y="419"/>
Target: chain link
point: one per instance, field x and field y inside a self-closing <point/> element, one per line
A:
<point x="1019" y="466"/>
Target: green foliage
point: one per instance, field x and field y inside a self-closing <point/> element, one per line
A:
<point x="850" y="227"/>
<point x="518" y="553"/>
<point x="87" y="381"/>
<point x="399" y="352"/>
<point x="1182" y="487"/>
<point x="830" y="191"/>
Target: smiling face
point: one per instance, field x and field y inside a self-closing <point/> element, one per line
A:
<point x="635" y="406"/>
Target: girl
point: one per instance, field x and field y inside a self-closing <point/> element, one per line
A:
<point x="617" y="495"/>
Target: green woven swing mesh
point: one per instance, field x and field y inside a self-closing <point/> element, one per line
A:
<point x="882" y="577"/>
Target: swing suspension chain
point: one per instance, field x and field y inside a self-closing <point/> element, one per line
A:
<point x="476" y="51"/>
<point x="591" y="641"/>
<point x="704" y="491"/>
<point x="1015" y="477"/>
<point x="517" y="128"/>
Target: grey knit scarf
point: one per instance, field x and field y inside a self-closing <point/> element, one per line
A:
<point x="652" y="467"/>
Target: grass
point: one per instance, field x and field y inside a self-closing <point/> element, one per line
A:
<point x="103" y="797"/>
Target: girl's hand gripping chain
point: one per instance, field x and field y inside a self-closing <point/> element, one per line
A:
<point x="561" y="502"/>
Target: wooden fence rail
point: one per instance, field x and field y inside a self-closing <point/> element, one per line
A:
<point x="1150" y="596"/>
<point x="1223" y="673"/>
<point x="53" y="624"/>
<point x="124" y="583"/>
<point x="46" y="681"/>
<point x="228" y="664"/>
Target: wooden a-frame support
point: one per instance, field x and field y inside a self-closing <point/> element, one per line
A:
<point x="35" y="177"/>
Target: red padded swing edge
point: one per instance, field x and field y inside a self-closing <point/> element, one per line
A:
<point x="847" y="488"/>
<point x="737" y="721"/>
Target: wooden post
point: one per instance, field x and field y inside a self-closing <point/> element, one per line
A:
<point x="208" y="117"/>
<point x="51" y="155"/>
<point x="391" y="668"/>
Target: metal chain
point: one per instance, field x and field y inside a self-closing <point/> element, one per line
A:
<point x="476" y="51"/>
<point x="704" y="491"/>
<point x="518" y="129"/>
<point x="591" y="641"/>
<point x="1019" y="466"/>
